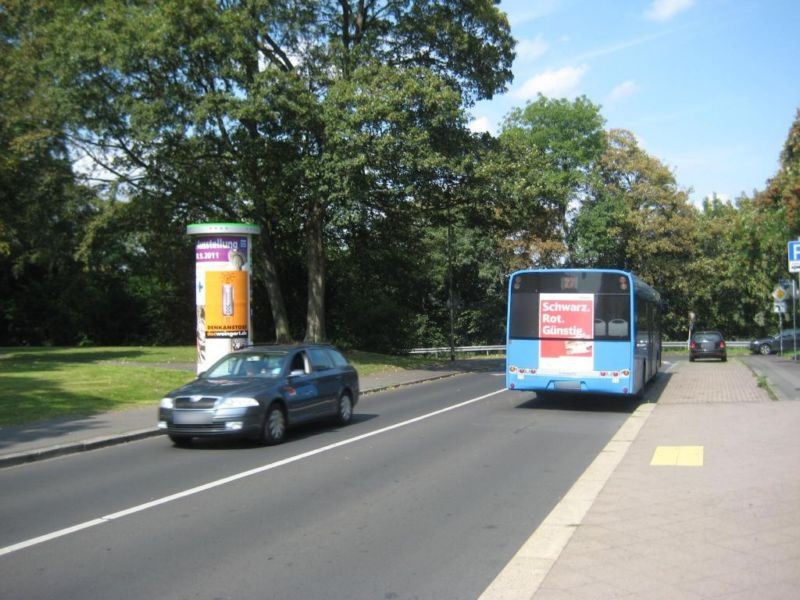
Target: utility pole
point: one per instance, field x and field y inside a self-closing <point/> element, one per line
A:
<point x="451" y="301"/>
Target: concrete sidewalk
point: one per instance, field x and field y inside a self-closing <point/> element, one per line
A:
<point x="47" y="439"/>
<point x="703" y="503"/>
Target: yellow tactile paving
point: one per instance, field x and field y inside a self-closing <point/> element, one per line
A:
<point x="677" y="456"/>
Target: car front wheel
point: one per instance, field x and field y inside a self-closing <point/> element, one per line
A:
<point x="765" y="349"/>
<point x="274" y="429"/>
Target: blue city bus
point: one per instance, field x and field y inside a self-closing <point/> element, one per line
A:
<point x="581" y="331"/>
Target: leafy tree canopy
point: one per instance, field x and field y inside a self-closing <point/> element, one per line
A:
<point x="233" y="109"/>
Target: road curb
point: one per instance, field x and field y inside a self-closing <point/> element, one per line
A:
<point x="36" y="455"/>
<point x="393" y="386"/>
<point x="11" y="460"/>
<point x="525" y="572"/>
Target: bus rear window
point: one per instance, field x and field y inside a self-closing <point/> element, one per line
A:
<point x="611" y="293"/>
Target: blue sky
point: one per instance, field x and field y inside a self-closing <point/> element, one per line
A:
<point x="709" y="87"/>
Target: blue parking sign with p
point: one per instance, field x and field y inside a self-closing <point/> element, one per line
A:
<point x="794" y="256"/>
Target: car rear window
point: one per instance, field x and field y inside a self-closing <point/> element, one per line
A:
<point x="320" y="359"/>
<point x="707" y="337"/>
<point x="337" y="358"/>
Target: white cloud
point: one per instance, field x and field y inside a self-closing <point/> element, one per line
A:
<point x="626" y="89"/>
<point x="524" y="11"/>
<point x="664" y="10"/>
<point x="530" y="50"/>
<point x="481" y="124"/>
<point x="557" y="83"/>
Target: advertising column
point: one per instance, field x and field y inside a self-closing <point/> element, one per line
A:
<point x="222" y="288"/>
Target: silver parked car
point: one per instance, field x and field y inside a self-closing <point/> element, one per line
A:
<point x="260" y="392"/>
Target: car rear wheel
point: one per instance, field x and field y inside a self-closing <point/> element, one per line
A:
<point x="765" y="349"/>
<point x="344" y="414"/>
<point x="274" y="430"/>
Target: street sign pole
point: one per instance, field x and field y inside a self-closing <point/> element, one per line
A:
<point x="794" y="320"/>
<point x="793" y="251"/>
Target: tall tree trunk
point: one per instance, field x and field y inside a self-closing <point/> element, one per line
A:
<point x="269" y="274"/>
<point x="315" y="315"/>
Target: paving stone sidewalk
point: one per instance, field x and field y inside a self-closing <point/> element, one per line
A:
<point x="726" y="528"/>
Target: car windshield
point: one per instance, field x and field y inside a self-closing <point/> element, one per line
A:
<point x="247" y="364"/>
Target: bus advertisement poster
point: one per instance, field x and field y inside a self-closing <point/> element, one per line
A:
<point x="566" y="326"/>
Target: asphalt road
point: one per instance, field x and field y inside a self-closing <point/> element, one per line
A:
<point x="428" y="494"/>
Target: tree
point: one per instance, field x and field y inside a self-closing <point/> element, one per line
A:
<point x="540" y="167"/>
<point x="43" y="209"/>
<point x="230" y="109"/>
<point x="634" y="217"/>
<point x="783" y="190"/>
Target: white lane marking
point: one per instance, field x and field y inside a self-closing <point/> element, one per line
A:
<point x="225" y="480"/>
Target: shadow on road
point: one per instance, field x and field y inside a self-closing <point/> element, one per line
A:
<point x="296" y="433"/>
<point x="598" y="402"/>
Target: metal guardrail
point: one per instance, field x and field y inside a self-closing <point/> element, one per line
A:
<point x="459" y="349"/>
<point x="501" y="348"/>
<point x="684" y="344"/>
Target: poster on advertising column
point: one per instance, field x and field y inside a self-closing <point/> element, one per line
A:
<point x="226" y="304"/>
<point x="566" y="326"/>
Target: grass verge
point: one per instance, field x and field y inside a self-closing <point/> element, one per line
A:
<point x="46" y="383"/>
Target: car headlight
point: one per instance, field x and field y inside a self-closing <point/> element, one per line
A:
<point x="167" y="403"/>
<point x="237" y="403"/>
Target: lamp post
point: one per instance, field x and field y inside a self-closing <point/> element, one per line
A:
<point x="451" y="301"/>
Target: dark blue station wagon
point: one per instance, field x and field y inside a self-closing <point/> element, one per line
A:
<point x="260" y="392"/>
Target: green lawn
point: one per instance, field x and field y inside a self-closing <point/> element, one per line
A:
<point x="45" y="383"/>
<point x="685" y="351"/>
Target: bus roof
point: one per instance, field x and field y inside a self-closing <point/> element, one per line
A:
<point x="641" y="288"/>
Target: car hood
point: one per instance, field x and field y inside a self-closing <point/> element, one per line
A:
<point x="225" y="387"/>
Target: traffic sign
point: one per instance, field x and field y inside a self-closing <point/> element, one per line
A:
<point x="779" y="307"/>
<point x="794" y="256"/>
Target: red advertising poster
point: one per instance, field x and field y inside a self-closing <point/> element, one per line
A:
<point x="566" y="326"/>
